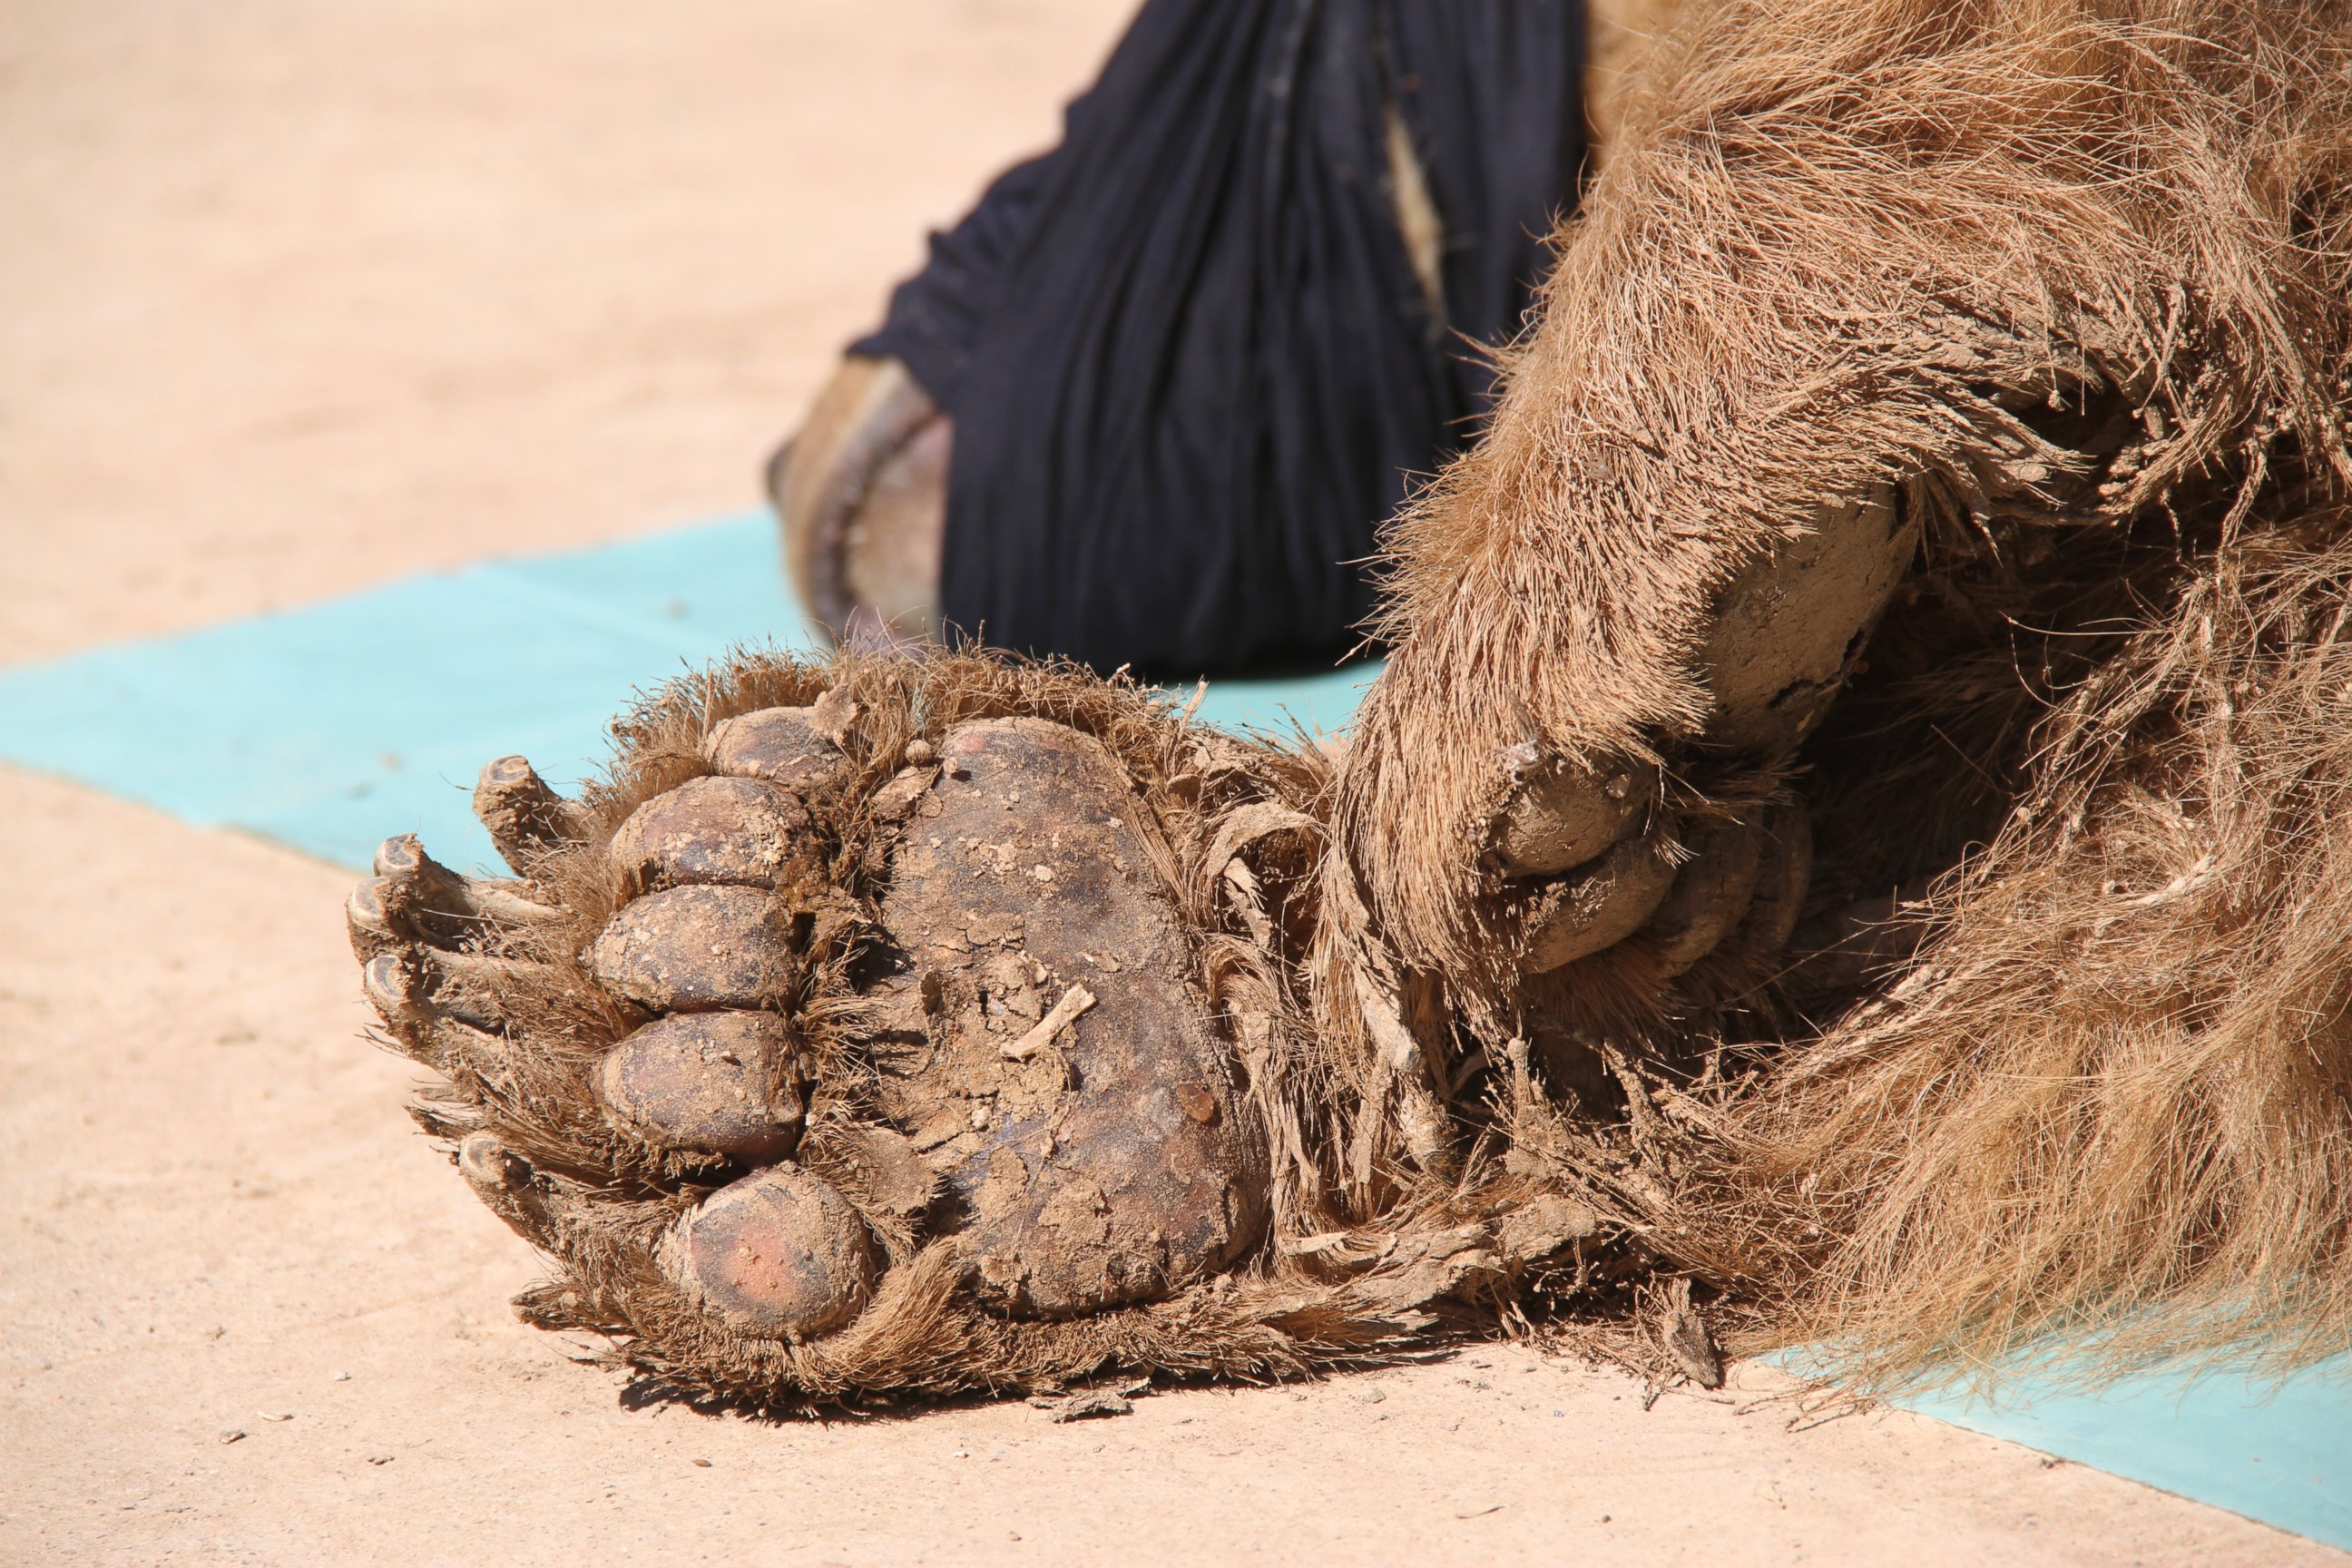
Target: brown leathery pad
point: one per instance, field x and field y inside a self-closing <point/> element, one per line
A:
<point x="1109" y="1163"/>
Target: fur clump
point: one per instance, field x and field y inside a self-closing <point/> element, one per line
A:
<point x="2111" y="1098"/>
<point x="2074" y="278"/>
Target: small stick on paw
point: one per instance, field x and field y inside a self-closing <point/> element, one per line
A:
<point x="1064" y="1013"/>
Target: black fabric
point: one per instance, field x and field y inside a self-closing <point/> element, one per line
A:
<point x="1190" y="365"/>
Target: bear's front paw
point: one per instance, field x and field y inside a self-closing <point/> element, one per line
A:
<point x="1638" y="847"/>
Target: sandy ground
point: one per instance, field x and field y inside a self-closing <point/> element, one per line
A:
<point x="304" y="296"/>
<point x="301" y="295"/>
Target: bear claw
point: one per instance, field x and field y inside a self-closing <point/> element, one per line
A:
<point x="1597" y="906"/>
<point x="414" y="898"/>
<point x="1569" y="814"/>
<point x="527" y="820"/>
<point x="1711" y="893"/>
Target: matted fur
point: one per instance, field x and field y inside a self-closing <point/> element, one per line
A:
<point x="2110" y="1102"/>
<point x="2063" y="272"/>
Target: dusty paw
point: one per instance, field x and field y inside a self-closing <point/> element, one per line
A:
<point x="823" y="1010"/>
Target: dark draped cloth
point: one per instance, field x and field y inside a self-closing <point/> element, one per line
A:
<point x="1190" y="366"/>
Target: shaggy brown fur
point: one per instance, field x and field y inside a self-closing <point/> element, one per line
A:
<point x="1845" y="244"/>
<point x="2069" y="274"/>
<point x="2112" y="1099"/>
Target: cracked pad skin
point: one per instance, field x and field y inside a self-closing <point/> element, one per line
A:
<point x="1114" y="1159"/>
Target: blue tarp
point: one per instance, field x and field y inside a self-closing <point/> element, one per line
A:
<point x="329" y="727"/>
<point x="2276" y="1450"/>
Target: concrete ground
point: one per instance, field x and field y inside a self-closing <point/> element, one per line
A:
<point x="304" y="296"/>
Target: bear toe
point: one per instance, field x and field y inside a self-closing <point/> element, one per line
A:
<point x="717" y="1083"/>
<point x="738" y="831"/>
<point x="779" y="1255"/>
<point x="1566" y="815"/>
<point x="694" y="949"/>
<point x="526" y="819"/>
<point x="781" y="745"/>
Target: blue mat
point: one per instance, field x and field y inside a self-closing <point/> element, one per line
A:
<point x="2277" y="1451"/>
<point x="329" y="727"/>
